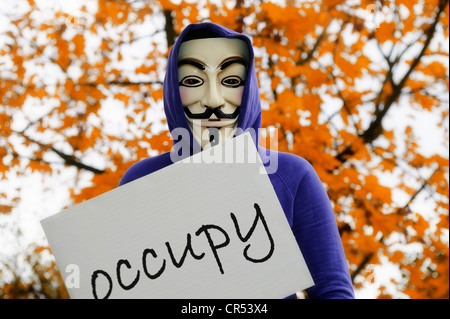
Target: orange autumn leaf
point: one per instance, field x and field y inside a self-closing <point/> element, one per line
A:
<point x="78" y="41"/>
<point x="350" y="70"/>
<point x="385" y="31"/>
<point x="146" y="69"/>
<point x="5" y="209"/>
<point x="122" y="97"/>
<point x="425" y="101"/>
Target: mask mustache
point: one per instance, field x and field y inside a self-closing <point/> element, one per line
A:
<point x="210" y="111"/>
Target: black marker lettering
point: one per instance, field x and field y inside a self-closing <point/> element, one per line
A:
<point x="206" y="228"/>
<point x="188" y="248"/>
<point x="259" y="216"/>
<point x="94" y="283"/>
<point x="144" y="264"/>
<point x="214" y="243"/>
<point x="119" y="279"/>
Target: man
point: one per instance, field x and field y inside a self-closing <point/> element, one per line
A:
<point x="211" y="92"/>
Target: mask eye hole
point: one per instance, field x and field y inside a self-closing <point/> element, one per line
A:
<point x="191" y="81"/>
<point x="232" y="81"/>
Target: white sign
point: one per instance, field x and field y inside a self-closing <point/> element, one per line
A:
<point x="201" y="228"/>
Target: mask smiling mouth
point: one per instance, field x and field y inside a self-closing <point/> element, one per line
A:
<point x="210" y="111"/>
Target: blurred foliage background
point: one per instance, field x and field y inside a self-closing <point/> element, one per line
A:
<point x="358" y="88"/>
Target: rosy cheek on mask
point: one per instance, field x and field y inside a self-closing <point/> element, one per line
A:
<point x="191" y="96"/>
<point x="235" y="97"/>
<point x="184" y="95"/>
<point x="239" y="95"/>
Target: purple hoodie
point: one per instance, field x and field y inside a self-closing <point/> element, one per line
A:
<point x="299" y="190"/>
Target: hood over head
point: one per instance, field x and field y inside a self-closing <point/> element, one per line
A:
<point x="250" y="109"/>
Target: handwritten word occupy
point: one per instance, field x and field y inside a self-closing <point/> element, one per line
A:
<point x="205" y="230"/>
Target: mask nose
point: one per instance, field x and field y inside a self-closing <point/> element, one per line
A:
<point x="213" y="96"/>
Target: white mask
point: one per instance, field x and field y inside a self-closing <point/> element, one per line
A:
<point x="211" y="75"/>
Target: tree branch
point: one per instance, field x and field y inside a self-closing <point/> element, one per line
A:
<point x="72" y="161"/>
<point x="169" y="28"/>
<point x="120" y="83"/>
<point x="344" y="101"/>
<point x="91" y="84"/>
<point x="68" y="159"/>
<point x="425" y="183"/>
<point x="310" y="54"/>
<point x="361" y="265"/>
<point x="375" y="128"/>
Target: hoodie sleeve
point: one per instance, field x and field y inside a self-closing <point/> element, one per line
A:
<point x="315" y="229"/>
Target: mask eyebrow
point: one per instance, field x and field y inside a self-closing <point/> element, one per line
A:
<point x="231" y="61"/>
<point x="198" y="65"/>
